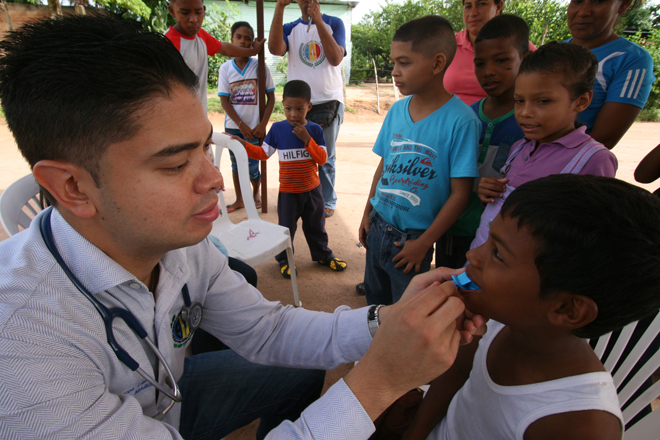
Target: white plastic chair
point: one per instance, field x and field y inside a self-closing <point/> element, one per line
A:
<point x="648" y="428"/>
<point x="254" y="240"/>
<point x="19" y="204"/>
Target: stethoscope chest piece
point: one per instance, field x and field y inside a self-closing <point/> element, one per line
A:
<point x="192" y="315"/>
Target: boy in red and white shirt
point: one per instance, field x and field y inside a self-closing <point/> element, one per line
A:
<point x="196" y="45"/>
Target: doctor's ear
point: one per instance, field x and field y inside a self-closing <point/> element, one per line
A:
<point x="68" y="184"/>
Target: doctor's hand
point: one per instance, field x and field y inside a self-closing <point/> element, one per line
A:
<point x="416" y="342"/>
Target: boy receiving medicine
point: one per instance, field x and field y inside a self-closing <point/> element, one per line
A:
<point x="428" y="146"/>
<point x="301" y="148"/>
<point x="557" y="269"/>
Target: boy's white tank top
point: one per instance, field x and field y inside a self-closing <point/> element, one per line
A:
<point x="483" y="409"/>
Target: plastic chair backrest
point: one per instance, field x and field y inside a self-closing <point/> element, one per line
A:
<point x="19" y="204"/>
<point x="221" y="142"/>
<point x="648" y="428"/>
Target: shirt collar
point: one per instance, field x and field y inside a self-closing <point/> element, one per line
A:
<point x="462" y="39"/>
<point x="573" y="139"/>
<point x="96" y="270"/>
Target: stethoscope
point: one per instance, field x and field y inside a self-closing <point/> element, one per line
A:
<point x="191" y="314"/>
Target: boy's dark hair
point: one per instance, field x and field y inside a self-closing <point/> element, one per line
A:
<point x="71" y="86"/>
<point x="240" y="24"/>
<point x="429" y="35"/>
<point x="506" y="26"/>
<point x="576" y="64"/>
<point x="598" y="237"/>
<point x="297" y="89"/>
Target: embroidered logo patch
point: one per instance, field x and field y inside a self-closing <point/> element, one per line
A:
<point x="311" y="53"/>
<point x="181" y="333"/>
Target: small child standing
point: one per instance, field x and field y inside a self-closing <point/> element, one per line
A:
<point x="569" y="258"/>
<point x="196" y="45"/>
<point x="301" y="148"/>
<point x="554" y="84"/>
<point x="238" y="88"/>
<point x="428" y="146"/>
<point x="499" y="48"/>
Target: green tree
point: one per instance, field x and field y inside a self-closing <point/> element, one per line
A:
<point x="218" y="23"/>
<point x="546" y="19"/>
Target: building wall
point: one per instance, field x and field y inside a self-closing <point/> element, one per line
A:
<point x="248" y="13"/>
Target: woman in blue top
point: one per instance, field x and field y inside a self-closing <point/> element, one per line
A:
<point x="625" y="70"/>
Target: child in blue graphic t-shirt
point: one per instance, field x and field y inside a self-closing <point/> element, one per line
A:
<point x="428" y="146"/>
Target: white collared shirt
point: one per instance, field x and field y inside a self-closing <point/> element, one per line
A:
<point x="59" y="377"/>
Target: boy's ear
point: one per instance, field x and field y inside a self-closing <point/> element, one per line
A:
<point x="583" y="101"/>
<point x="170" y="9"/>
<point x="440" y="64"/>
<point x="68" y="184"/>
<point x="572" y="311"/>
<point x="309" y="106"/>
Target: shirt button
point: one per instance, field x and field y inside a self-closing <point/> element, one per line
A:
<point x="135" y="286"/>
<point x="490" y="125"/>
<point x="487" y="135"/>
<point x="483" y="149"/>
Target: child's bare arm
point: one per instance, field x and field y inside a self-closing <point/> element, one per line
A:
<point x="576" y="425"/>
<point x="260" y="130"/>
<point x="231" y="50"/>
<point x="648" y="169"/>
<point x="364" y="224"/>
<point x="229" y="110"/>
<point x="489" y="188"/>
<point x="436" y="402"/>
<point x="413" y="252"/>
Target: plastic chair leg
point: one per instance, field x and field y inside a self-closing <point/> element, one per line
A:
<point x="294" y="277"/>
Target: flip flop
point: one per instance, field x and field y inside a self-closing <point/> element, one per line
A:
<point x="232" y="209"/>
<point x="257" y="204"/>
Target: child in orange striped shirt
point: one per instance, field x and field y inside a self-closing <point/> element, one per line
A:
<point x="301" y="148"/>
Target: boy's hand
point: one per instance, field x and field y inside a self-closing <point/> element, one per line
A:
<point x="302" y="134"/>
<point x="411" y="256"/>
<point x="490" y="188"/>
<point x="259" y="131"/>
<point x="257" y="45"/>
<point x="314" y="11"/>
<point x="284" y="3"/>
<point x="364" y="227"/>
<point x="246" y="131"/>
<point x="242" y="141"/>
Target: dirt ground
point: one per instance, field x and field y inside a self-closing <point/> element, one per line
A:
<point x="320" y="288"/>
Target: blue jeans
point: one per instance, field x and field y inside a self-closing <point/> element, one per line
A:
<point x="383" y="283"/>
<point x="223" y="392"/>
<point x="327" y="171"/>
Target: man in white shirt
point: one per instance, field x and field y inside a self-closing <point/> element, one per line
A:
<point x="109" y="118"/>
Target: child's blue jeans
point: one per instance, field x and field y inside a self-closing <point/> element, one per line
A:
<point x="383" y="283"/>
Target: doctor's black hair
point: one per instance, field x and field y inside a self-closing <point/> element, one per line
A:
<point x="70" y="86"/>
<point x="598" y="237"/>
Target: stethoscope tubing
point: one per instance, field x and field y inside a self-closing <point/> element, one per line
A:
<point x="108" y="315"/>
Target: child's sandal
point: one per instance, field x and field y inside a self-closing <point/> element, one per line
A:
<point x="334" y="263"/>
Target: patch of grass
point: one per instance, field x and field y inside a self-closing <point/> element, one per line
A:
<point x="350" y="109"/>
<point x="214" y="105"/>
<point x="649" y="114"/>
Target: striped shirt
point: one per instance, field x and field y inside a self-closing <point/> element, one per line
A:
<point x="625" y="75"/>
<point x="61" y="380"/>
<point x="299" y="171"/>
